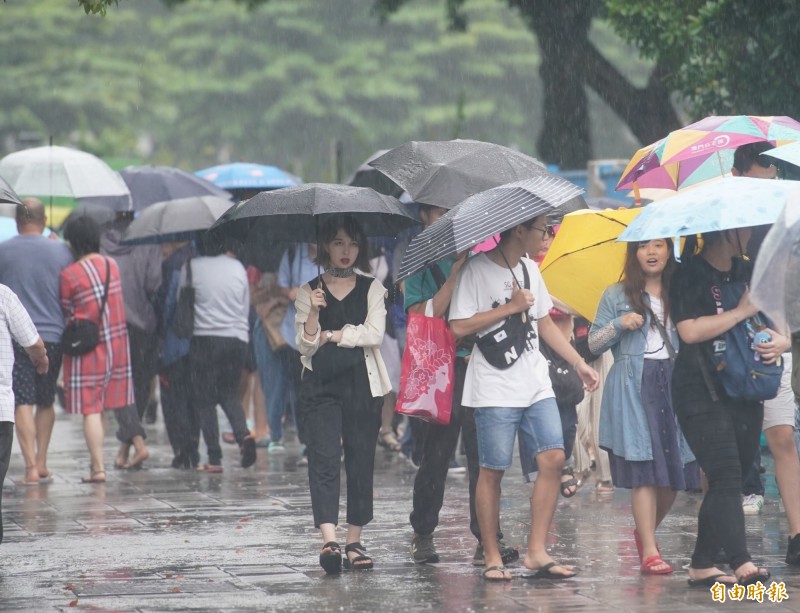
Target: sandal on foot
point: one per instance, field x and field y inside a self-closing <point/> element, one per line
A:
<point x="331" y="560"/>
<point x="96" y="477"/>
<point x="496" y="569"/>
<point x="387" y="440"/>
<point x="639" y="547"/>
<point x="545" y="573"/>
<point x="711" y="581"/>
<point x="566" y="486"/>
<point x="210" y="468"/>
<point x="650" y="564"/>
<point x="604" y="488"/>
<point x="361" y="562"/>
<point x="760" y="574"/>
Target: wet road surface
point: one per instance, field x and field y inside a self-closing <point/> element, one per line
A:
<point x="161" y="539"/>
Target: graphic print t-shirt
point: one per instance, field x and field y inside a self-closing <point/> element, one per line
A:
<point x="481" y="286"/>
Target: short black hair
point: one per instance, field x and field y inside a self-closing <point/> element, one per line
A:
<point x="749" y="154"/>
<point x="83" y="235"/>
<point x="353" y="229"/>
<point x="525" y="224"/>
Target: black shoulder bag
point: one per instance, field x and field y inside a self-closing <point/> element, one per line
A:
<point x="82" y="335"/>
<point x="505" y="345"/>
<point x="183" y="322"/>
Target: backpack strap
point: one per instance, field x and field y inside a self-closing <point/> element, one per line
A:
<point x="106" y="286"/>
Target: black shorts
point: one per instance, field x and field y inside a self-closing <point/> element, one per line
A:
<point x="31" y="388"/>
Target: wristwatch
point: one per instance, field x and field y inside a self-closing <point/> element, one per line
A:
<point x="328" y="335"/>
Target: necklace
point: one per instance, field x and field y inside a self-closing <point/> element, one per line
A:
<point x="341" y="273"/>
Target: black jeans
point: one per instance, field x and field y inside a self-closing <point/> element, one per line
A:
<point x="438" y="445"/>
<point x="129" y="424"/>
<point x="216" y="364"/>
<point x="336" y="414"/>
<point x="144" y="364"/>
<point x="724" y="437"/>
<point x="6" y="439"/>
<point x="183" y="429"/>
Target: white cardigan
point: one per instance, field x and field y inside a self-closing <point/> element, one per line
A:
<point x="368" y="335"/>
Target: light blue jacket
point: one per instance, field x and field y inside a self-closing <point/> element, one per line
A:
<point x="623" y="423"/>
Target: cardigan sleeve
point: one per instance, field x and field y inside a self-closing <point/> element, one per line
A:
<point x="370" y="333"/>
<point x="302" y="305"/>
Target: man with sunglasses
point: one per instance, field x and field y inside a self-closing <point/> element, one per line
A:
<point x="779" y="413"/>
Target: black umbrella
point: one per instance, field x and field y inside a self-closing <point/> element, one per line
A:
<point x="485" y="215"/>
<point x="368" y="176"/>
<point x="151" y="184"/>
<point x="444" y="173"/>
<point x="293" y="214"/>
<point x="175" y="220"/>
<point x="7" y="194"/>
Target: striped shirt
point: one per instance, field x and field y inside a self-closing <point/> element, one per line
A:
<point x="16" y="324"/>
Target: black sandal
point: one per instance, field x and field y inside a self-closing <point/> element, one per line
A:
<point x="331" y="560"/>
<point x="570" y="483"/>
<point x="361" y="562"/>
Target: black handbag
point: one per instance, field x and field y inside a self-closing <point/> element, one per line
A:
<point x="82" y="335"/>
<point x="505" y="345"/>
<point x="567" y="384"/>
<point x="183" y="322"/>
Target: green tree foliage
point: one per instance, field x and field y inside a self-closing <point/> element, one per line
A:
<point x="724" y="56"/>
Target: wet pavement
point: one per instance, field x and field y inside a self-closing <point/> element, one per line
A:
<point x="161" y="539"/>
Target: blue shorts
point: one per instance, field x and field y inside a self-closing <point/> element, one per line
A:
<point x="539" y="426"/>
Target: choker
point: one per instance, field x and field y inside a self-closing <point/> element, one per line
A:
<point x="340" y="273"/>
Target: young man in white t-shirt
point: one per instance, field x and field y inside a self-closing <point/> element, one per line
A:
<point x="518" y="397"/>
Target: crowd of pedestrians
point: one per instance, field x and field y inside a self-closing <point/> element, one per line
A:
<point x="625" y="396"/>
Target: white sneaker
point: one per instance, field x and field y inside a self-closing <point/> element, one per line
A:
<point x="752" y="504"/>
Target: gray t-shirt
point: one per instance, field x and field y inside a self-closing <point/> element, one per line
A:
<point x="30" y="266"/>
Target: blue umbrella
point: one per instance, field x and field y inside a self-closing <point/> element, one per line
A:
<point x="241" y="175"/>
<point x="732" y="202"/>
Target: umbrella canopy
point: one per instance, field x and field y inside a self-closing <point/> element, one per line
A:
<point x="483" y="215"/>
<point x="7" y="195"/>
<point x="151" y="184"/>
<point x="60" y="171"/>
<point x="293" y="214"/>
<point x="788" y="153"/>
<point x="369" y="176"/>
<point x="242" y="175"/>
<point x="732" y="202"/>
<point x="175" y="220"/>
<point x="585" y="257"/>
<point x="775" y="287"/>
<point x="702" y="150"/>
<point x="102" y="214"/>
<point x="445" y="173"/>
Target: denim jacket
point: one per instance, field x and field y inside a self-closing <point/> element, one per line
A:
<point x="623" y="423"/>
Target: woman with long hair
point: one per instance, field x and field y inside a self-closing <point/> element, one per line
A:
<point x="100" y="379"/>
<point x="638" y="428"/>
<point x="723" y="432"/>
<point x="340" y="322"/>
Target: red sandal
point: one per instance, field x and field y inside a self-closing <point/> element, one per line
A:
<point x="650" y="566"/>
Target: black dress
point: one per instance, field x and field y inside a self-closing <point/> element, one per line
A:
<point x="341" y="412"/>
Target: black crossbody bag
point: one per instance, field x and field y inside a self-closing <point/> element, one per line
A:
<point x="82" y="335"/>
<point x="505" y="345"/>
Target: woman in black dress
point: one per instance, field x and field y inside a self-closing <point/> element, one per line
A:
<point x="341" y="318"/>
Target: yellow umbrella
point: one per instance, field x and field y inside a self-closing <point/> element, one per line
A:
<point x="585" y="257"/>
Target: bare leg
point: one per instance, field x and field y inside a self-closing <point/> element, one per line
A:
<point x="787" y="472"/>
<point x="26" y="434"/>
<point x="665" y="498"/>
<point x="94" y="433"/>
<point x="543" y="506"/>
<point x="487" y="506"/>
<point x="645" y="503"/>
<point x="141" y="451"/>
<point x="259" y="409"/>
<point x="44" y="420"/>
<point x="386" y="436"/>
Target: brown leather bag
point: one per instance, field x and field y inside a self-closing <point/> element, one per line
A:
<point x="271" y="307"/>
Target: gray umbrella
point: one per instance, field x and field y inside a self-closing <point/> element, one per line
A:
<point x="293" y="213"/>
<point x="368" y="176"/>
<point x="444" y="173"/>
<point x="8" y="195"/>
<point x="484" y="215"/>
<point x="101" y="214"/>
<point x="175" y="220"/>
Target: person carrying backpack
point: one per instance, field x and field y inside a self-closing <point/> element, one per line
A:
<point x="721" y="425"/>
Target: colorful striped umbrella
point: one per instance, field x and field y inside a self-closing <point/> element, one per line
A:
<point x="702" y="150"/>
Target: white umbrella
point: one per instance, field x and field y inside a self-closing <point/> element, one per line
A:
<point x="788" y="153"/>
<point x="60" y="171"/>
<point x="775" y="287"/>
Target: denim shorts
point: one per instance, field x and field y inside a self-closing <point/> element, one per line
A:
<point x="539" y="426"/>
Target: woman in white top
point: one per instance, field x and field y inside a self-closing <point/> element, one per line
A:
<point x="341" y="318"/>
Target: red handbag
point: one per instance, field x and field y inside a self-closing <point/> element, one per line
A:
<point x="428" y="369"/>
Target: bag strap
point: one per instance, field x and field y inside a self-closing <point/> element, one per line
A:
<point x="526" y="276"/>
<point x="664" y="336"/>
<point x="438" y="276"/>
<point x="189" y="272"/>
<point x="106" y="286"/>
